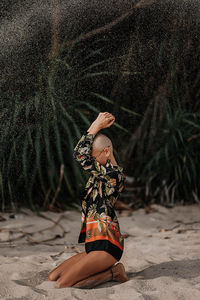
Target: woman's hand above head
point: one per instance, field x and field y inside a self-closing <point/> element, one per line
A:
<point x="104" y="120"/>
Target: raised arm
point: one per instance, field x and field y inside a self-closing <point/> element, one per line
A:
<point x="82" y="154"/>
<point x="83" y="150"/>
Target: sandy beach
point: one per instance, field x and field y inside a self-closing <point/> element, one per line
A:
<point x="161" y="256"/>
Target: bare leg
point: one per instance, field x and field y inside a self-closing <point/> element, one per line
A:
<point x="115" y="272"/>
<point x="94" y="262"/>
<point x="68" y="263"/>
<point x="95" y="279"/>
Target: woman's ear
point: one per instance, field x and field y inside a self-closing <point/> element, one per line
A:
<point x="107" y="151"/>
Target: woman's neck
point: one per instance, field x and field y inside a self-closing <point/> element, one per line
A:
<point x="113" y="161"/>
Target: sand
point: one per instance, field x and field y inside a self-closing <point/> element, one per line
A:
<point x="161" y="256"/>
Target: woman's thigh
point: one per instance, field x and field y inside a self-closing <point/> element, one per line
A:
<point x="94" y="262"/>
<point x="65" y="265"/>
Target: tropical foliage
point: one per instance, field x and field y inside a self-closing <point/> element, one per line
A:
<point x="38" y="134"/>
<point x="151" y="85"/>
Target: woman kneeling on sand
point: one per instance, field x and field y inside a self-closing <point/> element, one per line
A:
<point x="100" y="230"/>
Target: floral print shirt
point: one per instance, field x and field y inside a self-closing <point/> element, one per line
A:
<point x="102" y="188"/>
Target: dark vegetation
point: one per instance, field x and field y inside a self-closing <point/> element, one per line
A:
<point x="145" y="70"/>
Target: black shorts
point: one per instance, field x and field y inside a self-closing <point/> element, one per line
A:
<point x="104" y="245"/>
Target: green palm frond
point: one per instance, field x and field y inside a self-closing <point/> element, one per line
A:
<point x="48" y="139"/>
<point x="176" y="159"/>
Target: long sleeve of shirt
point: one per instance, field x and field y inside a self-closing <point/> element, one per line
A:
<point x="83" y="155"/>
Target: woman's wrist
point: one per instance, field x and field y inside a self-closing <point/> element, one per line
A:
<point x="93" y="129"/>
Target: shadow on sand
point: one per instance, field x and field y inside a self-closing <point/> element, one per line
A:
<point x="186" y="269"/>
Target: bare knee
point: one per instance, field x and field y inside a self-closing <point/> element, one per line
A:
<point x="51" y="276"/>
<point x="60" y="269"/>
<point x="64" y="281"/>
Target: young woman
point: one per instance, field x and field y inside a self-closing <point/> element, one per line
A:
<point x="100" y="229"/>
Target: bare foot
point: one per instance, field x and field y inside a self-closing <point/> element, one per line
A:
<point x="119" y="273"/>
